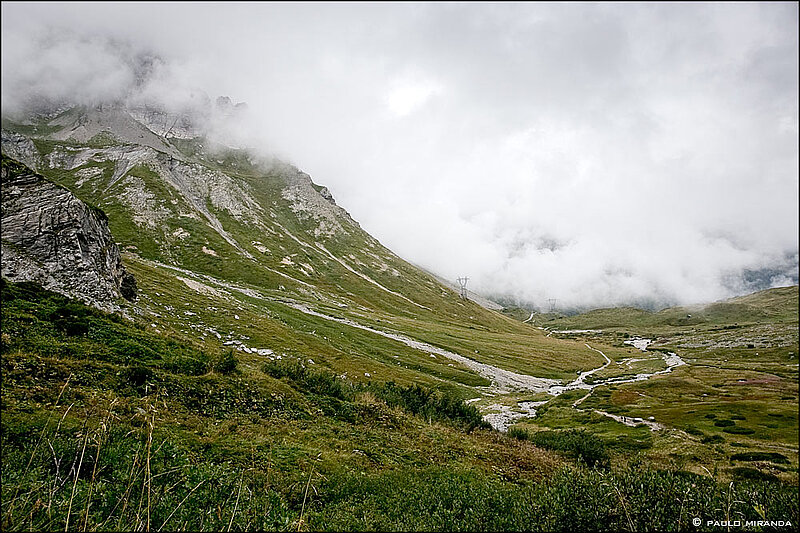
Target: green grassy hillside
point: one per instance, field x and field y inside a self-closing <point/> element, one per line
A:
<point x="211" y="237"/>
<point x="109" y="426"/>
<point x="737" y="392"/>
<point x="768" y="306"/>
<point x="281" y="369"/>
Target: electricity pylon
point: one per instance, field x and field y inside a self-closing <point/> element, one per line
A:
<point x="463" y="283"/>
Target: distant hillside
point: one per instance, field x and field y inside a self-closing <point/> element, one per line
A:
<point x="771" y="305"/>
<point x="781" y="302"/>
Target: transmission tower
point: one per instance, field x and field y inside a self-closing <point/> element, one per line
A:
<point x="552" y="302"/>
<point x="463" y="283"/>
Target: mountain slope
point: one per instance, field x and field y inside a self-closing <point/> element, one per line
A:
<point x="239" y="249"/>
<point x="119" y="428"/>
<point x="223" y="214"/>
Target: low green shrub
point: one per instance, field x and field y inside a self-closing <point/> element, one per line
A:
<point x="226" y="363"/>
<point x="634" y="498"/>
<point x="321" y="382"/>
<point x="429" y="404"/>
<point x="746" y="473"/>
<point x="415" y="399"/>
<point x="737" y="430"/>
<point x="519" y="434"/>
<point x="188" y="365"/>
<point x="579" y="444"/>
<point x="138" y="375"/>
<point x="761" y="456"/>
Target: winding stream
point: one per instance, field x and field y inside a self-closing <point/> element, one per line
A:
<point x="506" y="381"/>
<point x="503" y="381"/>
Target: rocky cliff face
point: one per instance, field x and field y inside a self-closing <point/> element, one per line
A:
<point x="52" y="238"/>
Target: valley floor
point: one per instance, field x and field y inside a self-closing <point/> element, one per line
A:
<point x="662" y="391"/>
<point x="110" y="425"/>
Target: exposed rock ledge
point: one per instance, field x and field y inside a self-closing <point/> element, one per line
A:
<point x="52" y="238"/>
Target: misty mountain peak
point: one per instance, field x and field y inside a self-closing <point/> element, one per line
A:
<point x="225" y="106"/>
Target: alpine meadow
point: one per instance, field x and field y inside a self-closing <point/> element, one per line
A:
<point x="481" y="267"/>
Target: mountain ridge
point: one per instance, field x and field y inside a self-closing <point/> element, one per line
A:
<point x="198" y="183"/>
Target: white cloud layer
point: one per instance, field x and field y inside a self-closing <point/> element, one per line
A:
<point x="597" y="154"/>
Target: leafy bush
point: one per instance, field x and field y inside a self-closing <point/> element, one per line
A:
<point x="70" y="319"/>
<point x="316" y="381"/>
<point x="188" y="365"/>
<point x="128" y="287"/>
<point x="519" y="434"/>
<point x="133" y="350"/>
<point x="713" y="439"/>
<point x="635" y="498"/>
<point x="429" y="499"/>
<point x="427" y="403"/>
<point x="72" y="327"/>
<point x="745" y="473"/>
<point x="430" y="404"/>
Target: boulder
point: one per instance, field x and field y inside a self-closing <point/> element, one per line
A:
<point x="52" y="238"/>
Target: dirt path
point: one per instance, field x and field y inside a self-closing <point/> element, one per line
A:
<point x="580" y="400"/>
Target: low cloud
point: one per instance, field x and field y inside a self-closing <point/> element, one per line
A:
<point x="597" y="154"/>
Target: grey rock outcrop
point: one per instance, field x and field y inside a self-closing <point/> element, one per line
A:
<point x="54" y="239"/>
<point x="81" y="125"/>
<point x="20" y="148"/>
<point x="310" y="201"/>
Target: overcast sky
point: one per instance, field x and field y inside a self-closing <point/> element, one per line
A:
<point x="599" y="154"/>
